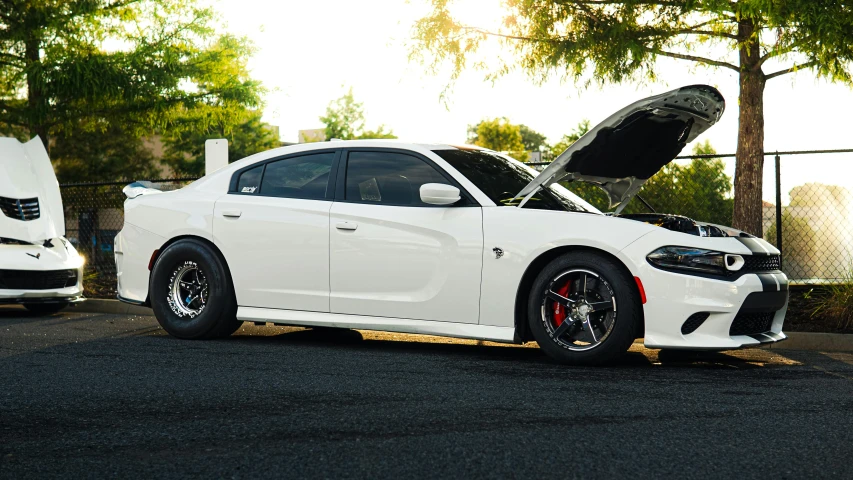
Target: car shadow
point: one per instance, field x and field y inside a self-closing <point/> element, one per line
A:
<point x="353" y="339"/>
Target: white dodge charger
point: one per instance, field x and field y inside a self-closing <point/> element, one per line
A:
<point x="457" y="241"/>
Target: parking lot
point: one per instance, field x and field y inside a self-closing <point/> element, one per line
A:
<point x="96" y="395"/>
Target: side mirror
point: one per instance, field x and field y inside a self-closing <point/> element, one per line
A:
<point x="439" y="194"/>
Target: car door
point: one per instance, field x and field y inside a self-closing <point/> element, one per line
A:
<point x="273" y="228"/>
<point x="391" y="255"/>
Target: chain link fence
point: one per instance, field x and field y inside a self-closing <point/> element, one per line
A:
<point x="811" y="191"/>
<point x="94" y="214"/>
<point x="815" y="228"/>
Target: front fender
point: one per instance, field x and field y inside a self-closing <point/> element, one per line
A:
<point x="525" y="235"/>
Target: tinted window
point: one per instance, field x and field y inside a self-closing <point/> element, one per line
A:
<point x="388" y="178"/>
<point x="298" y="177"/>
<point x="250" y="180"/>
<point x="501" y="179"/>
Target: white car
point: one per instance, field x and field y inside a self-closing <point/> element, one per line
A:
<point x="456" y="241"/>
<point x="38" y="267"/>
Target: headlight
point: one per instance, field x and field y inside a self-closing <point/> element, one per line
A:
<point x="689" y="259"/>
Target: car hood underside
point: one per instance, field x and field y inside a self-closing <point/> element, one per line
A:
<point x="633" y="144"/>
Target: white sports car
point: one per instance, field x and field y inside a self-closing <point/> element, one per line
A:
<point x="456" y="241"/>
<point x="38" y="267"/>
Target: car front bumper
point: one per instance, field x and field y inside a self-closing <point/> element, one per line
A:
<point x="746" y="312"/>
<point x="39" y="261"/>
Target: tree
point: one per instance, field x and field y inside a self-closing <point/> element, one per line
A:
<point x="85" y="68"/>
<point x="533" y="141"/>
<point x="344" y="120"/>
<point x="567" y="140"/>
<point x="246" y="135"/>
<point x="101" y="153"/>
<point x="621" y="40"/>
<point x="500" y="135"/>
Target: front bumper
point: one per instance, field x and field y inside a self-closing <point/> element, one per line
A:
<point x="747" y="312"/>
<point x="40" y="261"/>
<point x="19" y="300"/>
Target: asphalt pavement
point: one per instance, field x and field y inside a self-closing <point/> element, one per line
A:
<point x="100" y="395"/>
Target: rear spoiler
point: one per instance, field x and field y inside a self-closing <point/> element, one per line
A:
<point x="139" y="188"/>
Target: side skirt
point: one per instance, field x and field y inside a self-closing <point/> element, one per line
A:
<point x="387" y="324"/>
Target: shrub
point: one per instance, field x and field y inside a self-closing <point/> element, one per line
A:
<point x="837" y="303"/>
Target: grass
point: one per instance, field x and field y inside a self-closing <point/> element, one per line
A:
<point x="835" y="304"/>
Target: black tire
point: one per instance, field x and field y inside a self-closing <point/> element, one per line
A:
<point x="616" y="324"/>
<point x="45" y="308"/>
<point x="213" y="312"/>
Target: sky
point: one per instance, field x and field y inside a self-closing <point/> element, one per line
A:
<point x="311" y="52"/>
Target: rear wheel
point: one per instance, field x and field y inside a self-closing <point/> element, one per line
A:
<point x="584" y="309"/>
<point x="191" y="292"/>
<point x="45" y="308"/>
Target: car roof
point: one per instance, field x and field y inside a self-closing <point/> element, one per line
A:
<point x="213" y="180"/>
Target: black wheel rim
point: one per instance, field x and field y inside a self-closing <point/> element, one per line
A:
<point x="579" y="309"/>
<point x="188" y="291"/>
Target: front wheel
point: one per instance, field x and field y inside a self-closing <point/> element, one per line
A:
<point x="191" y="292"/>
<point x="584" y="309"/>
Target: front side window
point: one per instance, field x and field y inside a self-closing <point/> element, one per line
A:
<point x="388" y="178"/>
<point x="305" y="176"/>
<point x="501" y="179"/>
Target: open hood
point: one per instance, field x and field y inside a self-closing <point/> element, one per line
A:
<point x="30" y="203"/>
<point x="633" y="144"/>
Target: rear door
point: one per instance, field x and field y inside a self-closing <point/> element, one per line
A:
<point x="394" y="256"/>
<point x="273" y="228"/>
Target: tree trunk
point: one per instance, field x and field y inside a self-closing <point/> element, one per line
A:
<point x="749" y="171"/>
<point x="37" y="106"/>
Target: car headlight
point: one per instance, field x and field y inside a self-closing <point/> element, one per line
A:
<point x="689" y="259"/>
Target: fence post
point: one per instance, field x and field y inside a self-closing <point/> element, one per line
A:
<point x="778" y="203"/>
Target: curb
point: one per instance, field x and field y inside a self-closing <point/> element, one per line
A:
<point x="115" y="307"/>
<point x="827" y="342"/>
<point x="824" y="342"/>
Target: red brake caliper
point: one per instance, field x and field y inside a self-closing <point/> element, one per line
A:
<point x="559" y="310"/>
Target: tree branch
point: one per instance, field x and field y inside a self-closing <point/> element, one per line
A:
<point x="661" y="3"/>
<point x="792" y="69"/>
<point x="693" y="58"/>
<point x="706" y="32"/>
<point x="779" y="51"/>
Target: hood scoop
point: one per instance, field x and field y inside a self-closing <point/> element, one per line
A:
<point x="621" y="153"/>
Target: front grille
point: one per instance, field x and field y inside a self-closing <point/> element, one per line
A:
<point x="37" y="280"/>
<point x="761" y="263"/>
<point x="20" y="209"/>
<point x="757" y="264"/>
<point x="752" y="323"/>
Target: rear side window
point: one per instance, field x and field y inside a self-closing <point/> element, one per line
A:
<point x="250" y="180"/>
<point x="306" y="177"/>
<point x="388" y="178"/>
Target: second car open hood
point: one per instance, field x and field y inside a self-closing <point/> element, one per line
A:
<point x="30" y="202"/>
<point x="633" y="144"/>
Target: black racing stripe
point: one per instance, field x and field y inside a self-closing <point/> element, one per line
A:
<point x="753" y="245"/>
<point x="783" y="281"/>
<point x="768" y="282"/>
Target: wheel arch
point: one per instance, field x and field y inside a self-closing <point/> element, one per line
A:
<point x="204" y="241"/>
<point x="522" y="329"/>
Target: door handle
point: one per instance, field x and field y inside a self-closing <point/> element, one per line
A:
<point x="346" y="226"/>
<point x="232" y="213"/>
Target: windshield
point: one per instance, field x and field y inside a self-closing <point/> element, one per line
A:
<point x="501" y="178"/>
